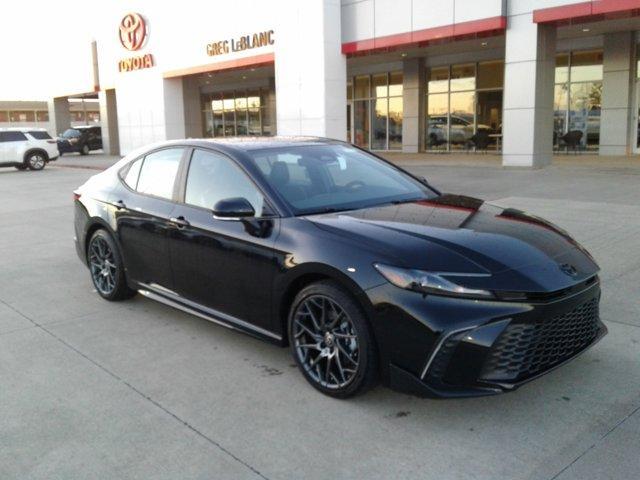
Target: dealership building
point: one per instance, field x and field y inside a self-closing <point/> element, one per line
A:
<point x="523" y="78"/>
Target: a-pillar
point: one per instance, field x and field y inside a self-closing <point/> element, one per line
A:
<point x="528" y="90"/>
<point x="617" y="87"/>
<point x="413" y="104"/>
<point x="310" y="70"/>
<point x="59" y="115"/>
<point x="109" y="122"/>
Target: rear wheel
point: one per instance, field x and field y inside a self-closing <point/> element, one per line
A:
<point x="84" y="150"/>
<point x="331" y="341"/>
<point x="107" y="268"/>
<point x="36" y="161"/>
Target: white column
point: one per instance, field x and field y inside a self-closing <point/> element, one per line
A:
<point x="192" y="107"/>
<point x="310" y="70"/>
<point x="528" y="91"/>
<point x="412" y="104"/>
<point x="59" y="116"/>
<point x="617" y="94"/>
<point x="109" y="122"/>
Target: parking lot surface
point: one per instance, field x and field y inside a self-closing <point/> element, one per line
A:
<point x="92" y="389"/>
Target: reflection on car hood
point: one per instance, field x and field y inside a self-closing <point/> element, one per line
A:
<point x="453" y="233"/>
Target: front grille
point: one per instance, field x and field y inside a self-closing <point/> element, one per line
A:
<point x="524" y="349"/>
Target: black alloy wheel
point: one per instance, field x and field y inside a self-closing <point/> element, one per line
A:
<point x="84" y="150"/>
<point x="36" y="161"/>
<point x="106" y="267"/>
<point x="331" y="341"/>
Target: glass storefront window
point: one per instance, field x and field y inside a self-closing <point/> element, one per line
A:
<point x="379" y="124"/>
<point x="562" y="68"/>
<point x="491" y="74"/>
<point x="463" y="77"/>
<point x="380" y="88"/>
<point x="395" y="122"/>
<point x="586" y="66"/>
<point x="236" y="113"/>
<point x="438" y="121"/>
<point x="361" y="123"/>
<point x="44" y="116"/>
<point x="438" y="81"/>
<point x="465" y="112"/>
<point x="395" y="84"/>
<point x="361" y="89"/>
<point x="577" y="100"/>
<point x="375" y="116"/>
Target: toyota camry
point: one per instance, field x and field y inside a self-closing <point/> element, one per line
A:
<point x="367" y="272"/>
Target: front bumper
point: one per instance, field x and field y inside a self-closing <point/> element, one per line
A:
<point x="464" y="348"/>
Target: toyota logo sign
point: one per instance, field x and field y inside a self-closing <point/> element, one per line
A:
<point x="133" y="31"/>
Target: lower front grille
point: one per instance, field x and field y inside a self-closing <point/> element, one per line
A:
<point x="524" y="350"/>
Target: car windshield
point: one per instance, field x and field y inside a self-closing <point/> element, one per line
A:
<point x="333" y="177"/>
<point x="71" y="133"/>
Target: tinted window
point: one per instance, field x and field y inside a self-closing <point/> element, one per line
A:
<point x="12" y="137"/>
<point x="213" y="177"/>
<point x="40" y="135"/>
<point x="71" y="133"/>
<point x="317" y="178"/>
<point x="158" y="172"/>
<point x="131" y="175"/>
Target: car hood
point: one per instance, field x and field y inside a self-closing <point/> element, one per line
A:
<point x="453" y="233"/>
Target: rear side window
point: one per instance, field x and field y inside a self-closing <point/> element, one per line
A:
<point x="40" y="135"/>
<point x="131" y="176"/>
<point x="12" y="137"/>
<point x="158" y="172"/>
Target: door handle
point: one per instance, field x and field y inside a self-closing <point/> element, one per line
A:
<point x="180" y="221"/>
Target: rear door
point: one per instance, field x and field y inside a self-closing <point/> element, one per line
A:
<point x="225" y="265"/>
<point x="145" y="204"/>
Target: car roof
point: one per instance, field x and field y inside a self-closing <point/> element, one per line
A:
<point x="83" y="127"/>
<point x="22" y="129"/>
<point x="256" y="143"/>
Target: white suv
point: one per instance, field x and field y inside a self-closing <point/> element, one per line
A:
<point x="24" y="148"/>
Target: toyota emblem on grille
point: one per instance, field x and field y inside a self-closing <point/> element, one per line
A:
<point x="568" y="269"/>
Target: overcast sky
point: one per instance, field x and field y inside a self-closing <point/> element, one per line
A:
<point x="42" y="43"/>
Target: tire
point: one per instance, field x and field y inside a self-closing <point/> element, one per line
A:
<point x="340" y="357"/>
<point x="36" y="160"/>
<point x="84" y="150"/>
<point x="106" y="267"/>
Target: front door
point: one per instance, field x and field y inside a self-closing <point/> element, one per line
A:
<point x="225" y="265"/>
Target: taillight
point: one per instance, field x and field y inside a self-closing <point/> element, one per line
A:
<point x="76" y="195"/>
<point x="52" y="141"/>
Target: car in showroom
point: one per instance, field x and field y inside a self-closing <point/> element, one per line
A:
<point x="365" y="271"/>
<point x="81" y="139"/>
<point x="26" y="148"/>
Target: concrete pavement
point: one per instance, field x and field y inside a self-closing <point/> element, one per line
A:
<point x="91" y="389"/>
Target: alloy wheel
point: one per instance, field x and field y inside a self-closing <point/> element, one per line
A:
<point x="102" y="265"/>
<point x="36" y="161"/>
<point x="326" y="342"/>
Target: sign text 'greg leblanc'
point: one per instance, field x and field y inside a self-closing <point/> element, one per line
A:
<point x="245" y="42"/>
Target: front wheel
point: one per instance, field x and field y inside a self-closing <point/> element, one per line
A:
<point x="107" y="268"/>
<point x="331" y="341"/>
<point x="36" y="161"/>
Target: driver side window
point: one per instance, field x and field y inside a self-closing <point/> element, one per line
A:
<point x="213" y="177"/>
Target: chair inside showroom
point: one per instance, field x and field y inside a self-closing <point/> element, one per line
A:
<point x="480" y="140"/>
<point x="572" y="140"/>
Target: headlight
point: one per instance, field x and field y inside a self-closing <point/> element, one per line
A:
<point x="431" y="282"/>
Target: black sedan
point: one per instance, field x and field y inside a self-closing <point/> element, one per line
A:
<point x="367" y="272"/>
<point x="81" y="139"/>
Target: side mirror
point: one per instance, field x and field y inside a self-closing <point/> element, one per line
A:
<point x="233" y="209"/>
